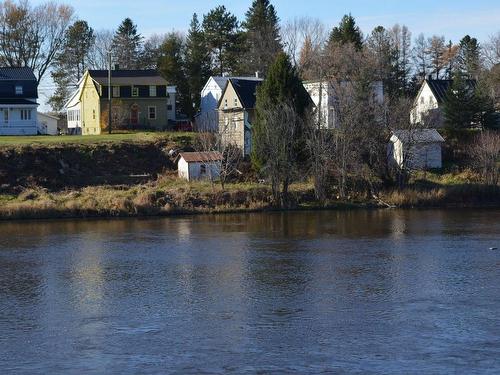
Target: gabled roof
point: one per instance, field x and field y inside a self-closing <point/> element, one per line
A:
<point x="129" y="77"/>
<point x="246" y="90"/>
<point x="439" y="87"/>
<point x="17" y="74"/>
<point x="201" y="157"/>
<point x="222" y="81"/>
<point x="417" y="136"/>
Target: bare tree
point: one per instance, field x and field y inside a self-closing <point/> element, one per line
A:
<point x="98" y="56"/>
<point x="31" y="36"/>
<point x="491" y="50"/>
<point x="486" y="156"/>
<point x="421" y="59"/>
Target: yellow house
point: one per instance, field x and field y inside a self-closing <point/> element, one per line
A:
<point x="140" y="99"/>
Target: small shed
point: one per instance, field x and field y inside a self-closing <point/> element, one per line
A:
<point x="47" y="124"/>
<point x="199" y="165"/>
<point x="419" y="148"/>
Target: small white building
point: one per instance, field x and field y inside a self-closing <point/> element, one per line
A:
<point x="208" y="118"/>
<point x="419" y="148"/>
<point x="47" y="124"/>
<point x="199" y="165"/>
<point x="322" y="93"/>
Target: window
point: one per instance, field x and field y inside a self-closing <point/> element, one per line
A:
<point x="6" y="115"/>
<point x="225" y="103"/>
<point x="135" y="91"/>
<point x="25" y="114"/>
<point x="235" y="102"/>
<point x="422" y="100"/>
<point x="169" y="107"/>
<point x="93" y="114"/>
<point x="116" y="91"/>
<point x="203" y="169"/>
<point x="152" y="113"/>
<point x="19" y="90"/>
<point x="152" y="90"/>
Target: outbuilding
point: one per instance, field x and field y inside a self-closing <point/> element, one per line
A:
<point x="199" y="165"/>
<point x="47" y="124"/>
<point x="418" y="148"/>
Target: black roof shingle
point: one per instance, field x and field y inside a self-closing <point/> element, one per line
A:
<point x="17" y="74"/>
<point x="246" y="90"/>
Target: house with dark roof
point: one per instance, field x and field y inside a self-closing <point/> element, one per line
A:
<point x="208" y="117"/>
<point x="236" y="111"/>
<point x="140" y="99"/>
<point x="18" y="101"/>
<point x="427" y="106"/>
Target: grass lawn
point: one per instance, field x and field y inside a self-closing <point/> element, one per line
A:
<point x="88" y="139"/>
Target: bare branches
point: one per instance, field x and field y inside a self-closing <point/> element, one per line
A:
<point x="486" y="156"/>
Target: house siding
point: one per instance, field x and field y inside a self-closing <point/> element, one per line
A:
<point x="426" y="103"/>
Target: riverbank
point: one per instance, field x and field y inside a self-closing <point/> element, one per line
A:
<point x="170" y="196"/>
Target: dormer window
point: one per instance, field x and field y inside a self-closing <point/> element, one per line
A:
<point x="19" y="90"/>
<point x="135" y="91"/>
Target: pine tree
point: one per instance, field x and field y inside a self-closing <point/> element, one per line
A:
<point x="224" y="39"/>
<point x="347" y="32"/>
<point x="127" y="45"/>
<point x="282" y="85"/>
<point x="468" y="59"/>
<point x="71" y="62"/>
<point x="263" y="40"/>
<point x="459" y="106"/>
<point x="171" y="67"/>
<point x="197" y="61"/>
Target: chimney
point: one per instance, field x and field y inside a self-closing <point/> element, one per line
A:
<point x="225" y="74"/>
<point x="257" y="74"/>
<point x="117" y="66"/>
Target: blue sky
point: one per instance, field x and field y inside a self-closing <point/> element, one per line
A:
<point x="452" y="18"/>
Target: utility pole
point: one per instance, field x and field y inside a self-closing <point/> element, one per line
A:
<point x="110" y="117"/>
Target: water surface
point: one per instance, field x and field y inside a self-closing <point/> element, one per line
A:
<point x="368" y="292"/>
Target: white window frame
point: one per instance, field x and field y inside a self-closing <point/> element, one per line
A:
<point x="152" y="91"/>
<point x="135" y="92"/>
<point x="25" y="114"/>
<point x="19" y="90"/>
<point x="149" y="112"/>
<point x="116" y="91"/>
<point x="6" y="115"/>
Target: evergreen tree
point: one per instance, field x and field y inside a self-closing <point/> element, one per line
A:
<point x="127" y="45"/>
<point x="171" y="67"/>
<point x="484" y="107"/>
<point x="263" y="40"/>
<point x="347" y="32"/>
<point x="71" y="62"/>
<point x="468" y="59"/>
<point x="459" y="105"/>
<point x="282" y="85"/>
<point x="197" y="61"/>
<point x="224" y="39"/>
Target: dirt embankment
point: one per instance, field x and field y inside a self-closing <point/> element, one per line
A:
<point x="66" y="166"/>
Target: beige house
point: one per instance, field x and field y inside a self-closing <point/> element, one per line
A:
<point x="237" y="111"/>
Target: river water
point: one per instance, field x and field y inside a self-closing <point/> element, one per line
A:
<point x="368" y="292"/>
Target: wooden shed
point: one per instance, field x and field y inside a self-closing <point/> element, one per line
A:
<point x="419" y="148"/>
<point x="199" y="165"/>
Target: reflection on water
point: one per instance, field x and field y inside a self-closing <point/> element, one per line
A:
<point x="356" y="291"/>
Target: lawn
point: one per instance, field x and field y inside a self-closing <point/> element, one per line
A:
<point x="89" y="139"/>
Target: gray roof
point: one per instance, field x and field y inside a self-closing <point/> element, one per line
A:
<point x="221" y="81"/>
<point x="17" y="74"/>
<point x="200" y="157"/>
<point x="418" y="136"/>
<point x="129" y="77"/>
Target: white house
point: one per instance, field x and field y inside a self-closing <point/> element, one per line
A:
<point x="208" y="118"/>
<point x="419" y="149"/>
<point x="199" y="165"/>
<point x="47" y="124"/>
<point x="322" y="93"/>
<point x="18" y="101"/>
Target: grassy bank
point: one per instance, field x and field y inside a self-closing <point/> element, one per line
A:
<point x="169" y="196"/>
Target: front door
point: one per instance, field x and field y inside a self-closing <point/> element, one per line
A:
<point x="134" y="115"/>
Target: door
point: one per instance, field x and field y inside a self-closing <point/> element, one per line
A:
<point x="134" y="115"/>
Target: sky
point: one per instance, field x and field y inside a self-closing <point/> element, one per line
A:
<point x="451" y="18"/>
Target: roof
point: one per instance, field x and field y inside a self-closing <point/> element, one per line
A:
<point x="221" y="81"/>
<point x="246" y="89"/>
<point x="199" y="157"/>
<point x="417" y="135"/>
<point x="439" y="87"/>
<point x="17" y="74"/>
<point x="48" y="115"/>
<point x="129" y="77"/>
<point x="19" y="101"/>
